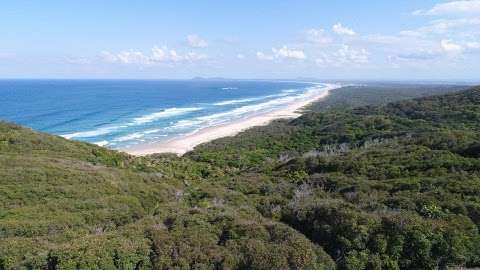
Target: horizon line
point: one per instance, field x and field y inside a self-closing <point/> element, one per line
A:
<point x="300" y="79"/>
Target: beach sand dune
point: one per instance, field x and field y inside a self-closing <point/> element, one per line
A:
<point x="186" y="143"/>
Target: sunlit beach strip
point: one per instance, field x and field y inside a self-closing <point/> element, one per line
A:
<point x="183" y="144"/>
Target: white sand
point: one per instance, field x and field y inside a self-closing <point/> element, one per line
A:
<point x="186" y="143"/>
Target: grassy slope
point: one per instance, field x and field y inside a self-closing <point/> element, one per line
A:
<point x="361" y="184"/>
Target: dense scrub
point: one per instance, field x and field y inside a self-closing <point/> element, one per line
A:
<point x="392" y="186"/>
<point x="70" y="205"/>
<point x="384" y="187"/>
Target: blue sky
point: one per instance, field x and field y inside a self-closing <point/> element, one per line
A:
<point x="402" y="39"/>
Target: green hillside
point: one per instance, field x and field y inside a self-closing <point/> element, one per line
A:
<point x="381" y="186"/>
<point x="70" y="205"/>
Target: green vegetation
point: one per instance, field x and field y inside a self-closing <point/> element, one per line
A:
<point x="390" y="186"/>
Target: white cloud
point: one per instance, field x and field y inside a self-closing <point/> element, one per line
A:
<point x="345" y="56"/>
<point x="126" y="57"/>
<point x="158" y="55"/>
<point x="78" y="60"/>
<point x="323" y="60"/>
<point x="420" y="55"/>
<point x="384" y="39"/>
<point x="285" y="52"/>
<point x="450" y="47"/>
<point x="349" y="55"/>
<point x="109" y="57"/>
<point x="433" y="40"/>
<point x="317" y="36"/>
<point x="282" y="53"/>
<point x="460" y="47"/>
<point x="406" y="45"/>
<point x="240" y="56"/>
<point x="196" y="42"/>
<point x="342" y="30"/>
<point x="465" y="7"/>
<point x="165" y="55"/>
<point x="444" y="26"/>
<point x="473" y="45"/>
<point x="193" y="56"/>
<point x="262" y="56"/>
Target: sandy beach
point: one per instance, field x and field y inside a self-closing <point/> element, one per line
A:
<point x="186" y="143"/>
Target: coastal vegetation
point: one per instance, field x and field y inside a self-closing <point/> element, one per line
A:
<point x="373" y="177"/>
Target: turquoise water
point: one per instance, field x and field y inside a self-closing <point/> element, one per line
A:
<point x="122" y="113"/>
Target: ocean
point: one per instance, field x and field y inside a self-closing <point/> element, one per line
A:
<point x="122" y="113"/>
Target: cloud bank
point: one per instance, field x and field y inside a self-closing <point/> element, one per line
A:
<point x="157" y="55"/>
<point x="342" y="30"/>
<point x="471" y="7"/>
<point x="283" y="53"/>
<point x="196" y="42"/>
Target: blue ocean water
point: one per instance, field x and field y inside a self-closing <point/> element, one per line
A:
<point x="122" y="113"/>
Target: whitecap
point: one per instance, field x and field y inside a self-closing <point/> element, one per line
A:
<point x="101" y="143"/>
<point x="91" y="133"/>
<point x="163" y="114"/>
<point x="151" y="131"/>
<point x="184" y="124"/>
<point x="136" y="121"/>
<point x="129" y="137"/>
<point x="218" y="118"/>
<point x="235" y="101"/>
<point x="245" y="100"/>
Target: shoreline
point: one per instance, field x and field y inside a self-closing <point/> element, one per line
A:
<point x="184" y="144"/>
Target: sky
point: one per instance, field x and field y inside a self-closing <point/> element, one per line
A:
<point x="342" y="39"/>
